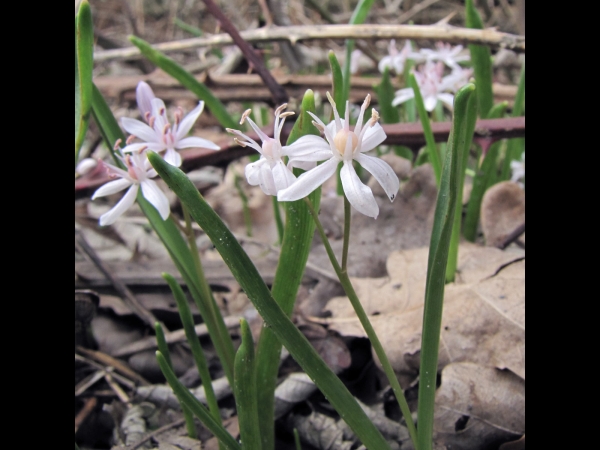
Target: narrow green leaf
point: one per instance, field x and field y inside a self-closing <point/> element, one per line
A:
<point x="358" y="16"/>
<point x="195" y="406"/>
<point x="84" y="65"/>
<point x="186" y="79"/>
<point x="169" y="234"/>
<point x="338" y="84"/>
<point x="245" y="391"/>
<point x="385" y="93"/>
<point x="298" y="235"/>
<point x="163" y="348"/>
<point x="469" y="128"/>
<point x="432" y="150"/>
<point x="192" y="338"/>
<point x="250" y="280"/>
<point x="436" y="267"/>
<point x="485" y="176"/>
<point x="481" y="58"/>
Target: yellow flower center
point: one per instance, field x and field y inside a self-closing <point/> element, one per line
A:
<point x="341" y="139"/>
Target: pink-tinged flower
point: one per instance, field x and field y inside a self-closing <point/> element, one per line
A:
<point x="138" y="174"/>
<point x="445" y="53"/>
<point x="341" y="145"/>
<point x="160" y="135"/>
<point x="396" y="59"/>
<point x="431" y="85"/>
<point x="457" y="79"/>
<point x="269" y="172"/>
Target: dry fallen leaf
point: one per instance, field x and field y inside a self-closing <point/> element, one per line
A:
<point x="478" y="407"/>
<point x="502" y="211"/>
<point x="483" y="318"/>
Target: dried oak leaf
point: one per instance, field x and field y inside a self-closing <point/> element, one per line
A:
<point x="483" y="318"/>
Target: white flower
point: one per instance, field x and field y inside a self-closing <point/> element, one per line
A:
<point x="160" y="135"/>
<point x="396" y="59"/>
<point x="269" y="172"/>
<point x="138" y="173"/>
<point x="345" y="146"/>
<point x="431" y="85"/>
<point x="457" y="79"/>
<point x="518" y="169"/>
<point x="446" y="53"/>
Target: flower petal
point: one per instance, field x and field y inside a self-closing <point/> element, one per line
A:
<point x="194" y="141"/>
<point x="139" y="129"/>
<point x="447" y="99"/>
<point x="372" y="138"/>
<point x="154" y="195"/>
<point x="111" y="187"/>
<point x="144" y="96"/>
<point x="402" y="95"/>
<point x="359" y="195"/>
<point x="266" y="181"/>
<point x="188" y="122"/>
<point x="430" y="102"/>
<point x="110" y="216"/>
<point x="309" y="148"/>
<point x="382" y="172"/>
<point x="136" y="147"/>
<point x="282" y="176"/>
<point x="172" y="157"/>
<point x="309" y="181"/>
<point x="252" y="171"/>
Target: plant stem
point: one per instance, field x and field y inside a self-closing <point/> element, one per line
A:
<point x="364" y="320"/>
<point x="347" y="211"/>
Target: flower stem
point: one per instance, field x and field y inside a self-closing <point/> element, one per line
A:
<point x="364" y="320"/>
<point x="347" y="210"/>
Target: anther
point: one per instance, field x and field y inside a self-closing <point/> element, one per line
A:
<point x="287" y="114"/>
<point x="147" y="116"/>
<point x="374" y="117"/>
<point x="245" y="116"/>
<point x="151" y="121"/>
<point x="318" y="125"/>
<point x="117" y="144"/>
<point x="166" y="128"/>
<point x="280" y="109"/>
<point x="367" y="101"/>
<point x="237" y="141"/>
<point x="130" y="139"/>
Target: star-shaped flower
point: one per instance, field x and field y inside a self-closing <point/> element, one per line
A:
<point x="160" y="135"/>
<point x="432" y="87"/>
<point x="269" y="172"/>
<point x="446" y="53"/>
<point x="396" y="59"/>
<point x="138" y="174"/>
<point x="341" y="145"/>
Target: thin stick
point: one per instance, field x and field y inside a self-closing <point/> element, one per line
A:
<point x="297" y="33"/>
<point x="279" y="94"/>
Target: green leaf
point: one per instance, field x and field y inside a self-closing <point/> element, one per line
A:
<point x="432" y="150"/>
<point x="385" y="93"/>
<point x="195" y="406"/>
<point x="436" y="266"/>
<point x="255" y="288"/>
<point x="245" y="391"/>
<point x="190" y="333"/>
<point x="297" y="240"/>
<point x="516" y="146"/>
<point x="84" y="65"/>
<point x="481" y="58"/>
<point x="338" y="83"/>
<point x="186" y="79"/>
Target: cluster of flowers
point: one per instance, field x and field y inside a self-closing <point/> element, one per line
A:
<point x="159" y="135"/>
<point x="430" y="77"/>
<point x="270" y="172"/>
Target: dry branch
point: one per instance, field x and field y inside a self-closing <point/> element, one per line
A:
<point x="293" y="34"/>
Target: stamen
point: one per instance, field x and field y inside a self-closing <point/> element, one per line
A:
<point x="330" y="99"/>
<point x="237" y="141"/>
<point x="245" y="116"/>
<point x="130" y="139"/>
<point x="117" y="144"/>
<point x="367" y="101"/>
<point x="151" y="121"/>
<point x="166" y="128"/>
<point x="280" y="109"/>
<point x="147" y="116"/>
<point x="318" y="125"/>
<point x="287" y="114"/>
<point x="178" y="115"/>
<point x="374" y="117"/>
<point x="161" y="111"/>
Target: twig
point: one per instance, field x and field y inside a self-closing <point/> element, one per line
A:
<point x="297" y="33"/>
<point x="513" y="236"/>
<point x="88" y="407"/>
<point x="156" y="432"/>
<point x="120" y="366"/>
<point x="279" y="94"/>
<point x="128" y="297"/>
